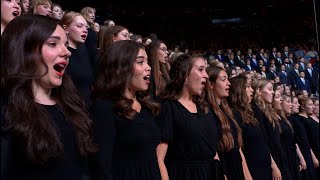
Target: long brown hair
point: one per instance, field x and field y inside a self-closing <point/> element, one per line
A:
<point x="159" y="70"/>
<point x="227" y="142"/>
<point x="119" y="64"/>
<point x="179" y="71"/>
<point x="239" y="101"/>
<point x="28" y="121"/>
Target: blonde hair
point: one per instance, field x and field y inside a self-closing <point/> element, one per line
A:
<point x="266" y="108"/>
<point x="86" y="10"/>
<point x="68" y="18"/>
<point x="35" y="3"/>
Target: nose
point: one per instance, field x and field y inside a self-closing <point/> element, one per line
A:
<point x="148" y="67"/>
<point x="16" y="5"/>
<point x="205" y="75"/>
<point x="65" y="52"/>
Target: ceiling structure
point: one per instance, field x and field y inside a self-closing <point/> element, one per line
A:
<point x="199" y="22"/>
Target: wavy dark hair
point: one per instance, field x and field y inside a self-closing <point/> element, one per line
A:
<point x="115" y="72"/>
<point x="159" y="70"/>
<point x="21" y="46"/>
<point x="227" y="142"/>
<point x="239" y="101"/>
<point x="179" y="71"/>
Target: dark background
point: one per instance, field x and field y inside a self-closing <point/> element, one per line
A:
<point x="189" y="24"/>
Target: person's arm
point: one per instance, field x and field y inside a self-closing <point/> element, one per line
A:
<point x="314" y="159"/>
<point x="246" y="172"/>
<point x="104" y="135"/>
<point x="302" y="162"/>
<point x="161" y="154"/>
<point x="276" y="174"/>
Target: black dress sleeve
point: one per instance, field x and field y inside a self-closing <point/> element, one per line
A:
<point x="104" y="137"/>
<point x="165" y="121"/>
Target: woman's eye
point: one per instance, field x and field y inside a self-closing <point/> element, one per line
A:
<point x="53" y="44"/>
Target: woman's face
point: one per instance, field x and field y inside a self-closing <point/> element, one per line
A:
<point x="43" y="9"/>
<point x="249" y="90"/>
<point x="56" y="13"/>
<point x="277" y="101"/>
<point x="309" y="107"/>
<point x="316" y="107"/>
<point x="295" y="105"/>
<point x="56" y="56"/>
<point x="90" y="16"/>
<point x="25" y="5"/>
<point x="77" y="30"/>
<point x="267" y="93"/>
<point x="287" y="106"/>
<point x="122" y="35"/>
<point x="196" y="80"/>
<point x="287" y="91"/>
<point x="96" y="27"/>
<point x="163" y="53"/>
<point x="141" y="73"/>
<point x="9" y="10"/>
<point x="221" y="85"/>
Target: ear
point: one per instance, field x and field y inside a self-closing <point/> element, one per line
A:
<point x="259" y="91"/>
<point x="64" y="27"/>
<point x="211" y="85"/>
<point x="114" y="38"/>
<point x="186" y="81"/>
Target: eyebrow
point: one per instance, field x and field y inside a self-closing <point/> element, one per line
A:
<point x="139" y="57"/>
<point x="55" y="37"/>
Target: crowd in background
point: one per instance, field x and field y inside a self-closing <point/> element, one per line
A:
<point x="82" y="100"/>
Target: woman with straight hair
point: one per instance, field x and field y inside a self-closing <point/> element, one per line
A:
<point x="290" y="148"/>
<point x="158" y="56"/>
<point x="189" y="134"/>
<point x="269" y="121"/>
<point x="81" y="68"/>
<point x="46" y="129"/>
<point x="229" y="148"/>
<point x="125" y="126"/>
<point x="302" y="134"/>
<point x="255" y="147"/>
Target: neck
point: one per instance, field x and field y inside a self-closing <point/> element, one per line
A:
<point x="2" y="27"/>
<point x="42" y="95"/>
<point x="186" y="96"/>
<point x="314" y="117"/>
<point x="73" y="44"/>
<point x="304" y="114"/>
<point x="218" y="100"/>
<point x="130" y="94"/>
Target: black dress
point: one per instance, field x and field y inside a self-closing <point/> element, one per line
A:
<point x="301" y="136"/>
<point x="127" y="146"/>
<point x="313" y="135"/>
<point x="231" y="160"/>
<point x="81" y="72"/>
<point x="289" y="147"/>
<point x="192" y="140"/>
<point x="274" y="143"/>
<point x="69" y="166"/>
<point x="255" y="149"/>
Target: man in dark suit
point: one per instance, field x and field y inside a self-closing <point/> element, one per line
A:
<point x="302" y="83"/>
<point x="220" y="56"/>
<point x="283" y="75"/>
<point x="312" y="76"/>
